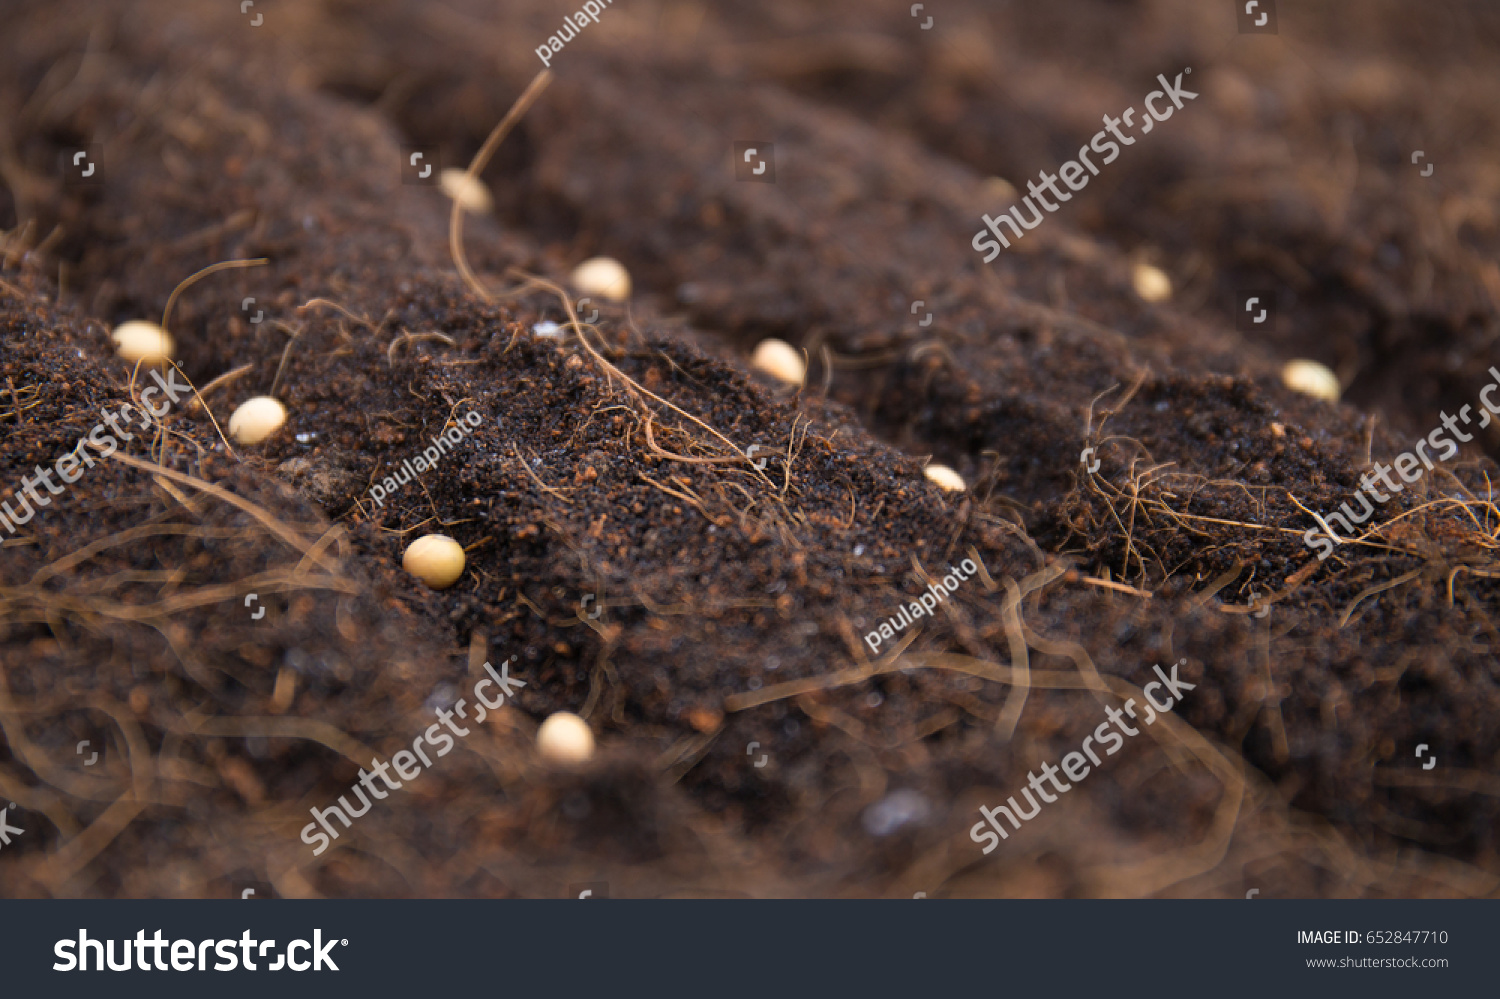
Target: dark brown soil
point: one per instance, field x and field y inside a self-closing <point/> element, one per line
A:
<point x="735" y="599"/>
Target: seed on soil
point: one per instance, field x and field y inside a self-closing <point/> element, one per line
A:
<point x="1311" y="378"/>
<point x="470" y="193"/>
<point x="602" y="276"/>
<point x="781" y="360"/>
<point x="565" y="739"/>
<point x="998" y="190"/>
<point x="1151" y="283"/>
<point x="435" y="559"/>
<point x="945" y="478"/>
<point x="256" y="419"/>
<point x="139" y="340"/>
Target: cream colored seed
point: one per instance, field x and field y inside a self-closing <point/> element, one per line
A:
<point x="1151" y="283"/>
<point x="471" y="194"/>
<point x="256" y="419"/>
<point x="1311" y="378"/>
<point x="602" y="276"/>
<point x="998" y="190"/>
<point x="435" y="559"/>
<point x="565" y="739"/>
<point x="781" y="360"/>
<point x="945" y="478"/>
<point x="146" y="342"/>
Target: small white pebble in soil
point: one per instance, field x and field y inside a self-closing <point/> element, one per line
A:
<point x="895" y="810"/>
<point x="139" y="340"/>
<point x="547" y="328"/>
<point x="256" y="419"/>
<point x="602" y="276"/>
<point x="945" y="478"/>
<point x="471" y="194"/>
<point x="1151" y="283"/>
<point x="1311" y="378"/>
<point x="435" y="559"/>
<point x="565" y="739"/>
<point x="780" y="360"/>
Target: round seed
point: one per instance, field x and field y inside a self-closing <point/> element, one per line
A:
<point x="256" y="419"/>
<point x="781" y="360"/>
<point x="998" y="190"/>
<point x="1151" y="283"/>
<point x="1311" y="378"/>
<point x="945" y="478"/>
<point x="565" y="739"/>
<point x="435" y="559"/>
<point x="471" y="195"/>
<point x="139" y="340"/>
<point x="602" y="276"/>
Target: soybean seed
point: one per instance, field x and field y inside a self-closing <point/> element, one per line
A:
<point x="602" y="276"/>
<point x="256" y="419"/>
<point x="945" y="478"/>
<point x="1311" y="378"/>
<point x="139" y="340"/>
<point x="470" y="193"/>
<point x="565" y="739"/>
<point x="435" y="559"/>
<point x="1151" y="283"/>
<point x="780" y="360"/>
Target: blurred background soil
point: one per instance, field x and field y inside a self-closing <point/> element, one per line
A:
<point x="749" y="743"/>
